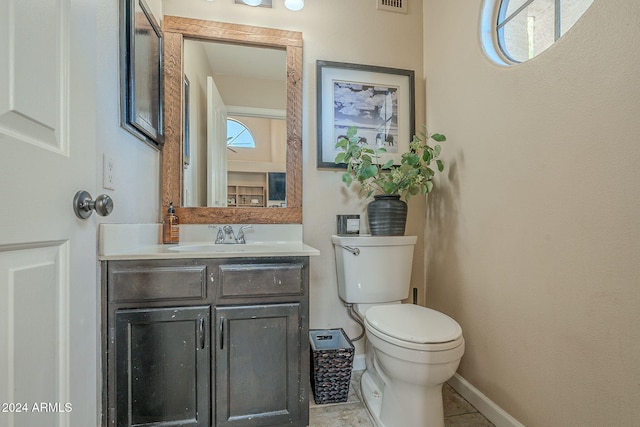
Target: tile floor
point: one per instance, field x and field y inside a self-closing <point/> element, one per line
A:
<point x="457" y="411"/>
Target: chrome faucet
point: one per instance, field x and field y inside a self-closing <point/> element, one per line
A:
<point x="240" y="238"/>
<point x="227" y="236"/>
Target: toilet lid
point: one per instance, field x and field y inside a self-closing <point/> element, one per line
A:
<point x="413" y="323"/>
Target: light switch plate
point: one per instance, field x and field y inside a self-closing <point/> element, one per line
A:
<point x="107" y="173"/>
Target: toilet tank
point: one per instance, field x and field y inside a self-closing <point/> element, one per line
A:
<point x="381" y="270"/>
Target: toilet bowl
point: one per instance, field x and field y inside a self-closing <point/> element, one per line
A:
<point x="411" y="350"/>
<point x="406" y="368"/>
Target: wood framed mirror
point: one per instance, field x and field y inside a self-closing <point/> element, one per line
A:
<point x="176" y="30"/>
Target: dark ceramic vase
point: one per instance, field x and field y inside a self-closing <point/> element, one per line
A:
<point x="387" y="215"/>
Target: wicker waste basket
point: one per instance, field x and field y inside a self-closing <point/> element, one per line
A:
<point x="331" y="365"/>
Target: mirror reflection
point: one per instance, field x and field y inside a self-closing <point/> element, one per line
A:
<point x="235" y="137"/>
<point x="176" y="153"/>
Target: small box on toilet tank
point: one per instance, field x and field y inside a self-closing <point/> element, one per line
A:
<point x="348" y="225"/>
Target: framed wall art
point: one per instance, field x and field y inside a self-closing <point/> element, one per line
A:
<point x="379" y="101"/>
<point x="141" y="72"/>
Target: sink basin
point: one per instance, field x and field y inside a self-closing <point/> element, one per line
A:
<point x="209" y="248"/>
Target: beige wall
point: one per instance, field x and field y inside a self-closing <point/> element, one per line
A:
<point x="534" y="239"/>
<point x="136" y="165"/>
<point x="333" y="30"/>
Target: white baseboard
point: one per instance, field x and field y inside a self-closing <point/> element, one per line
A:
<point x="359" y="362"/>
<point x="498" y="416"/>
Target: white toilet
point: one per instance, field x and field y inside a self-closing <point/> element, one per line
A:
<point x="411" y="350"/>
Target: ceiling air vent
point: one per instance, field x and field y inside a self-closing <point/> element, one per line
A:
<point x="399" y="6"/>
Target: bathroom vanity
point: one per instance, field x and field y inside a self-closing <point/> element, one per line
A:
<point x="201" y="334"/>
<point x="206" y="336"/>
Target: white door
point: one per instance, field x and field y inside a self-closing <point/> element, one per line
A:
<point x="216" y="147"/>
<point x="48" y="270"/>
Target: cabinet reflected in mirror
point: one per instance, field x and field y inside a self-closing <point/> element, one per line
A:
<point x="184" y="177"/>
<point x="236" y="102"/>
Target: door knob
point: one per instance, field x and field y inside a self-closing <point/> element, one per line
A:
<point x="84" y="206"/>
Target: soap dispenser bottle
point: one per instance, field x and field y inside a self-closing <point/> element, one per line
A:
<point x="170" y="229"/>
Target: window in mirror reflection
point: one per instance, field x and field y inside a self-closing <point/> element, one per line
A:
<point x="238" y="135"/>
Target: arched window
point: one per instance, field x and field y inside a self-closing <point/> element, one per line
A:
<point x="238" y="135"/>
<point x="526" y="28"/>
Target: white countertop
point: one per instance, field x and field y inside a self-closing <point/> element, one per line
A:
<point x="141" y="241"/>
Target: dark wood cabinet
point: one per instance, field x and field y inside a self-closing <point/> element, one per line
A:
<point x="162" y="366"/>
<point x="258" y="352"/>
<point x="206" y="342"/>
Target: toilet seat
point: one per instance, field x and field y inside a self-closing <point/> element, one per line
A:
<point x="414" y="327"/>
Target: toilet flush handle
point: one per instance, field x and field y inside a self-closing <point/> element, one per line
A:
<point x="354" y="251"/>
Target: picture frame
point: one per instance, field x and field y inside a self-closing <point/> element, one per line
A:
<point x="142" y="97"/>
<point x="379" y="101"/>
<point x="186" y="151"/>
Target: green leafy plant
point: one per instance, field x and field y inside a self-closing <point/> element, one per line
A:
<point x="413" y="176"/>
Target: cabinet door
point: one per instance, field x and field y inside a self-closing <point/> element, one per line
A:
<point x="258" y="365"/>
<point x="163" y="366"/>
